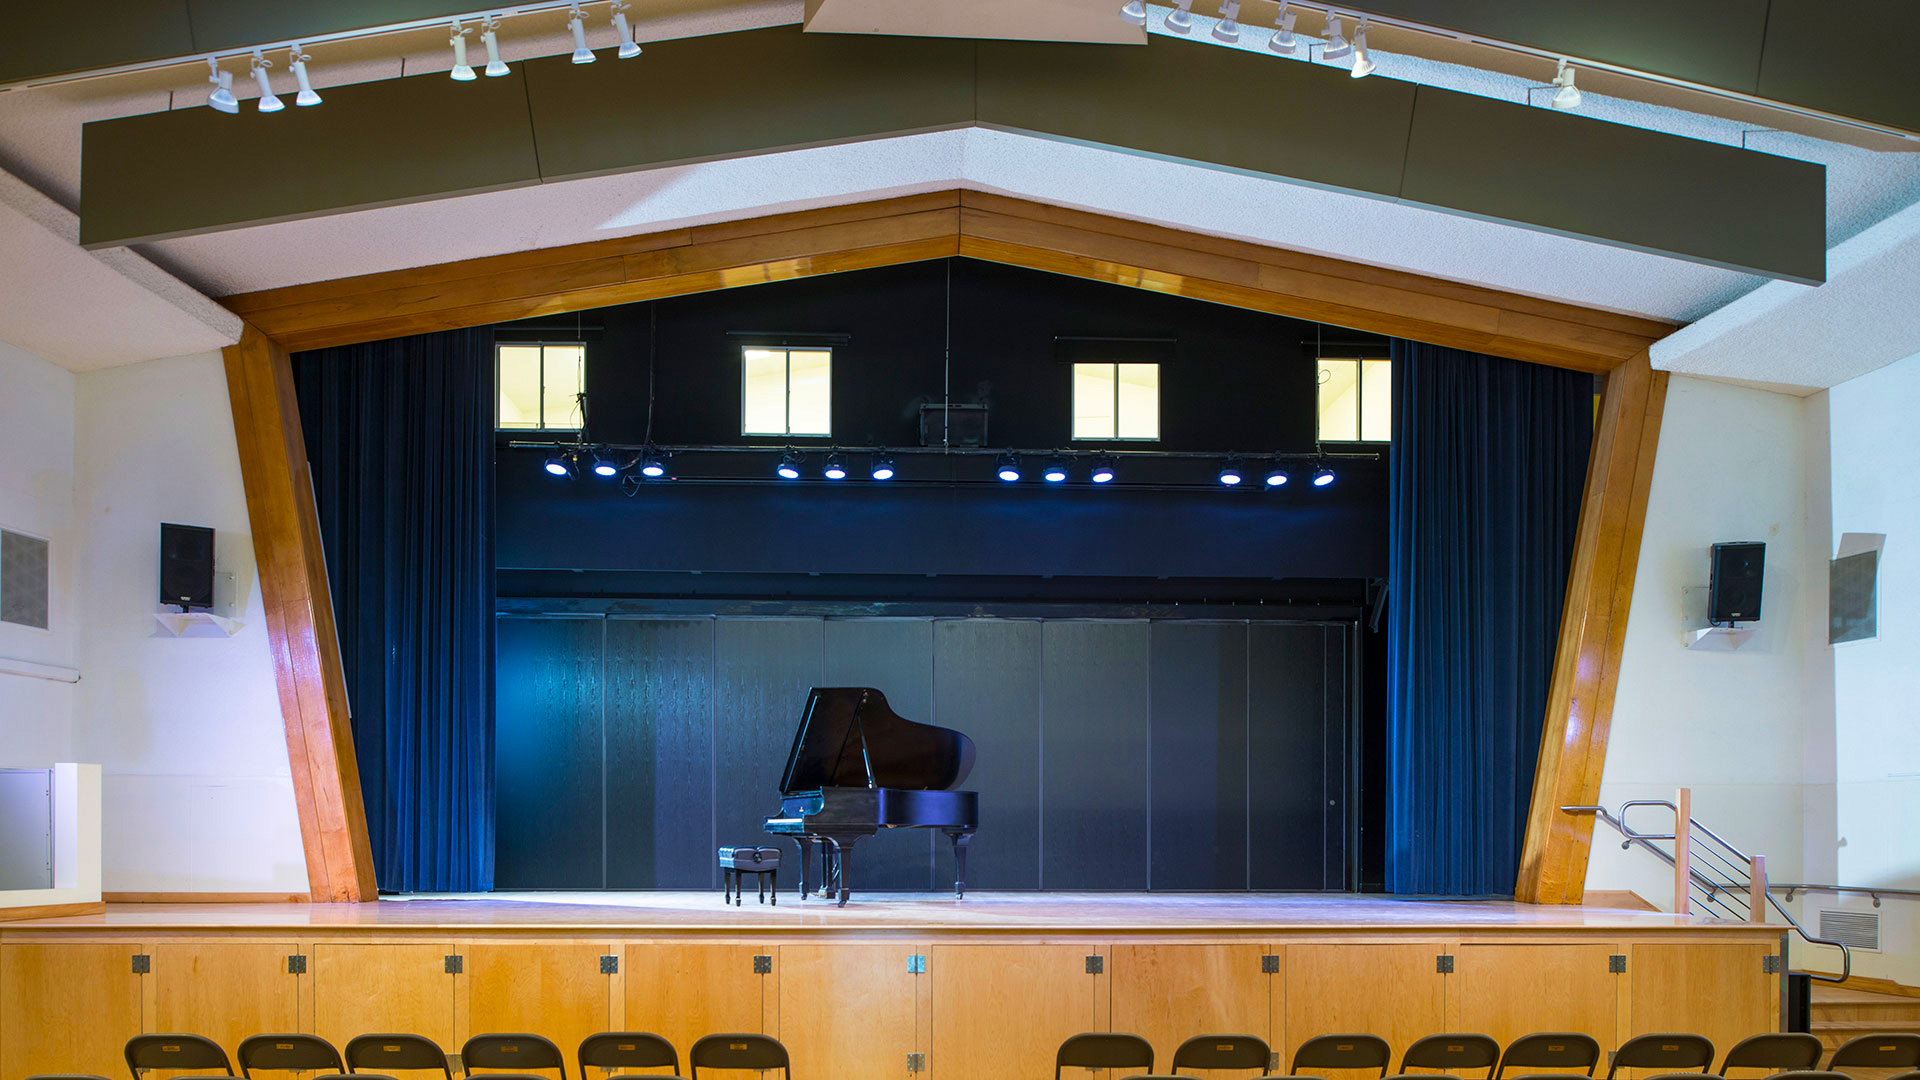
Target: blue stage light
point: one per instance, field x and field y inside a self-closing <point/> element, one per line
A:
<point x="1056" y="470"/>
<point x="836" y="467"/>
<point x="560" y="464"/>
<point x="789" y="467"/>
<point x="1277" y="477"/>
<point x="1323" y="477"/>
<point x="604" y="465"/>
<point x="882" y="467"/>
<point x="1102" y="470"/>
<point x="1009" y="468"/>
<point x="1231" y="473"/>
<point x="653" y="464"/>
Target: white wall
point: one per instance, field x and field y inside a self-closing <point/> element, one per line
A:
<point x="196" y="790"/>
<point x="36" y="497"/>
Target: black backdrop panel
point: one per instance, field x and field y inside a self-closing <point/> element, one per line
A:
<point x="1199" y="755"/>
<point x="659" y="723"/>
<point x="1093" y="752"/>
<point x="895" y="656"/>
<point x="764" y="669"/>
<point x="987" y="684"/>
<point x="547" y="740"/>
<point x="1297" y="752"/>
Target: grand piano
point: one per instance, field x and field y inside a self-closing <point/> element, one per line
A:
<point x="857" y="767"/>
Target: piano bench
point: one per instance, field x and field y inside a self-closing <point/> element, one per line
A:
<point x="762" y="862"/>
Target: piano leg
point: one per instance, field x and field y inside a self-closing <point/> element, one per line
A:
<point x="959" y="839"/>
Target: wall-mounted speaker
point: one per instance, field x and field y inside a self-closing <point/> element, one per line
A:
<point x="1733" y="592"/>
<point x="186" y="565"/>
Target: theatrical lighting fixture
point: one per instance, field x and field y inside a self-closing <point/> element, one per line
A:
<point x="789" y="467"/>
<point x="1322" y="476"/>
<point x="1228" y="28"/>
<point x="577" y="22"/>
<point x="1134" y="12"/>
<point x="462" y="71"/>
<point x="560" y="464"/>
<point x="604" y="465"/>
<point x="1231" y="473"/>
<point x="1362" y="59"/>
<point x="623" y="32"/>
<point x="1009" y="468"/>
<point x="1180" y="19"/>
<point x="297" y="63"/>
<point x="1337" y="46"/>
<point x="1277" y="477"/>
<point x="1056" y="471"/>
<point x="221" y="97"/>
<point x="1102" y="470"/>
<point x="1568" y="96"/>
<point x="653" y="464"/>
<point x="490" y="37"/>
<point x="882" y="467"/>
<point x="268" y="102"/>
<point x="1283" y="41"/>
<point x="836" y="466"/>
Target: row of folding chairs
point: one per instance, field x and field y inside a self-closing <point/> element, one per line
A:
<point x="375" y="1057"/>
<point x="1790" y="1055"/>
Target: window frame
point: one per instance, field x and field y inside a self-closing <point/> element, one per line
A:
<point x="543" y="345"/>
<point x="1073" y="402"/>
<point x="786" y="351"/>
<point x="1359" y="400"/>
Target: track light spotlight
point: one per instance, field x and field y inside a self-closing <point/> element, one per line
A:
<point x="789" y="467"/>
<point x="1362" y="58"/>
<point x="1056" y="471"/>
<point x="1231" y="473"/>
<point x="1228" y="28"/>
<point x="577" y="22"/>
<point x="457" y="37"/>
<point x="1277" y="476"/>
<point x="1134" y="12"/>
<point x="268" y="102"/>
<point x="1102" y="470"/>
<point x="1283" y="41"/>
<point x="653" y="464"/>
<point x="490" y="37"/>
<point x="604" y="465"/>
<point x="221" y="98"/>
<point x="1568" y="96"/>
<point x="1180" y="19"/>
<point x="1322" y="476"/>
<point x="882" y="466"/>
<point x="1008" y="468"/>
<point x="836" y="466"/>
<point x="1337" y="46"/>
<point x="560" y="464"/>
<point x="623" y="31"/>
<point x="297" y="63"/>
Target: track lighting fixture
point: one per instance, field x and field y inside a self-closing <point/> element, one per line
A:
<point x="1277" y="476"/>
<point x="1568" y="95"/>
<point x="1056" y="471"/>
<point x="1228" y="28"/>
<point x="560" y="464"/>
<point x="1322" y="476"/>
<point x="789" y="467"/>
<point x="268" y="102"/>
<point x="1134" y="12"/>
<point x="653" y="464"/>
<point x="1338" y="47"/>
<point x="836" y="466"/>
<point x="1180" y="19"/>
<point x="221" y="98"/>
<point x="490" y="37"/>
<point x="604" y="465"/>
<point x="623" y="31"/>
<point x="1008" y="468"/>
<point x="1102" y="470"/>
<point x="1231" y="473"/>
<point x="882" y="466"/>
<point x="577" y="22"/>
<point x="297" y="63"/>
<point x="462" y="71"/>
<point x="1283" y="41"/>
<point x="1362" y="58"/>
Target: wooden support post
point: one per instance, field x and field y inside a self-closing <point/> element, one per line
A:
<point x="1683" y="852"/>
<point x="1757" y="890"/>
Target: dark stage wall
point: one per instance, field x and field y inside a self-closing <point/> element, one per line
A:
<point x="1112" y="754"/>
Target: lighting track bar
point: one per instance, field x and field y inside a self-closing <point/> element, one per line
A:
<point x="935" y="451"/>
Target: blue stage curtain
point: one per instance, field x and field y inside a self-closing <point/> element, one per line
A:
<point x="1488" y="464"/>
<point x="400" y="443"/>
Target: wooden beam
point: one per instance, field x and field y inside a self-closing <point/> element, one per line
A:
<point x="299" y="614"/>
<point x="1593" y="630"/>
<point x="52" y="911"/>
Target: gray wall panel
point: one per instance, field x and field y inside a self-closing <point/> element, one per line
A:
<point x="1618" y="184"/>
<point x="894" y="656"/>
<point x="659" y="726"/>
<point x="26" y="829"/>
<point x="987" y="684"/>
<point x="764" y="669"/>
<point x="1289" y="756"/>
<point x="1199" y="755"/>
<point x="229" y="24"/>
<point x="1868" y="71"/>
<point x="1093" y="750"/>
<point x="40" y="39"/>
<point x="547" y="753"/>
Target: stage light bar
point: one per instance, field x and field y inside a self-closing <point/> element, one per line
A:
<point x="882" y="467"/>
<point x="836" y="466"/>
<point x="789" y="467"/>
<point x="1322" y="477"/>
<point x="1232" y="473"/>
<point x="490" y="37"/>
<point x="1008" y="468"/>
<point x="221" y="98"/>
<point x="269" y="102"/>
<point x="1102" y="470"/>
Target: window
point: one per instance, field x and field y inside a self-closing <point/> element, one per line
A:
<point x="1116" y="401"/>
<point x="1356" y="402"/>
<point x="786" y="391"/>
<point x="23" y="579"/>
<point x="540" y="386"/>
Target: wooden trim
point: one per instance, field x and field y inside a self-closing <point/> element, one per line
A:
<point x="1621" y="899"/>
<point x="51" y="911"/>
<point x="205" y="898"/>
<point x="1593" y="630"/>
<point x="299" y="615"/>
<point x="1870" y="985"/>
<point x="918" y="227"/>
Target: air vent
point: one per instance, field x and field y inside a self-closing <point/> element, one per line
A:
<point x="23" y="580"/>
<point x="1856" y="929"/>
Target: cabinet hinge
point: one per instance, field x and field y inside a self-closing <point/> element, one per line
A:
<point x="1096" y="964"/>
<point x="610" y="965"/>
<point x="916" y="1063"/>
<point x="1616" y="964"/>
<point x="1273" y="1061"/>
<point x="1443" y="963"/>
<point x="763" y="964"/>
<point x="296" y="964"/>
<point x="1770" y="965"/>
<point x="1270" y="964"/>
<point x="916" y="965"/>
<point x="142" y="963"/>
<point x="456" y="963"/>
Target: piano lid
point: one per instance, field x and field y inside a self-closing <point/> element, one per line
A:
<point x="841" y="721"/>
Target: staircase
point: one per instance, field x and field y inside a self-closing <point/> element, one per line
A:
<point x="1840" y="1014"/>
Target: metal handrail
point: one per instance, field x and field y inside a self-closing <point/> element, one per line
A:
<point x="1645" y="840"/>
<point x="1871" y="890"/>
